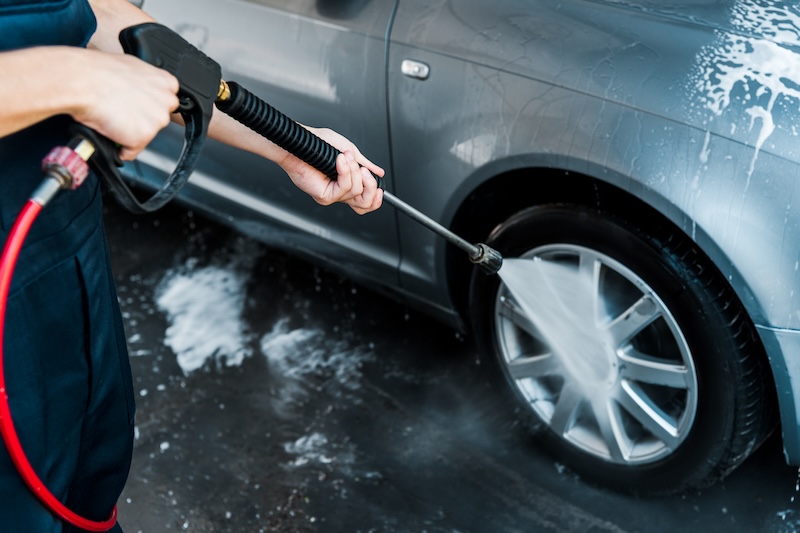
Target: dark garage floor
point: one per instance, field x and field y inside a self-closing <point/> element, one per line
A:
<point x="275" y="396"/>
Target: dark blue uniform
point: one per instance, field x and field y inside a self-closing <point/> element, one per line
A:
<point x="66" y="362"/>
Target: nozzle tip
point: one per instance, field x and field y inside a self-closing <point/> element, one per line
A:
<point x="488" y="259"/>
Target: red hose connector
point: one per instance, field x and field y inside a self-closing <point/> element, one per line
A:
<point x="68" y="164"/>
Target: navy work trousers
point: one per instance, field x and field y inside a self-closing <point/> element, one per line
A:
<point x="67" y="374"/>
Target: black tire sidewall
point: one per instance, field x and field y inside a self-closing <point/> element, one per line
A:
<point x="670" y="272"/>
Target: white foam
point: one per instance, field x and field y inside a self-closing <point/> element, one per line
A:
<point x="307" y="351"/>
<point x="317" y="450"/>
<point x="755" y="73"/>
<point x="204" y="308"/>
<point x="309" y="449"/>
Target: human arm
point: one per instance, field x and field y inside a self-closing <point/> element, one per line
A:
<point x="120" y="97"/>
<point x="354" y="185"/>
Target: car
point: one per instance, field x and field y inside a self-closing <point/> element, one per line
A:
<point x="636" y="163"/>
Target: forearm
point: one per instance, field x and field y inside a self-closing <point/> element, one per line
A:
<point x="48" y="81"/>
<point x="354" y="186"/>
<point x="45" y="82"/>
<point x="115" y="15"/>
<point x="119" y="96"/>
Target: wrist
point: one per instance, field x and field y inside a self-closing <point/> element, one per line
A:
<point x="77" y="91"/>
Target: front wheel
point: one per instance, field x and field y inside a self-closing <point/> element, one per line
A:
<point x="623" y="349"/>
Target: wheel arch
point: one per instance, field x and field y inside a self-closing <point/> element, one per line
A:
<point x="498" y="197"/>
<point x="500" y="194"/>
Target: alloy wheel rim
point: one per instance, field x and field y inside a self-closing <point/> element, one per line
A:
<point x="617" y="379"/>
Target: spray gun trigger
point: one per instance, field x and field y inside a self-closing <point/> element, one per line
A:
<point x="186" y="103"/>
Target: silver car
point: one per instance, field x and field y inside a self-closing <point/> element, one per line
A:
<point x="640" y="156"/>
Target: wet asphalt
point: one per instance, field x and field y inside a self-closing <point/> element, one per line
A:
<point x="275" y="396"/>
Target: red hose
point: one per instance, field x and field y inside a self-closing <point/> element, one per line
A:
<point x="9" y="434"/>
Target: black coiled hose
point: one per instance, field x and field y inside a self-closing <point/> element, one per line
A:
<point x="264" y="119"/>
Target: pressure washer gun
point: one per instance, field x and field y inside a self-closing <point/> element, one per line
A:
<point x="201" y="87"/>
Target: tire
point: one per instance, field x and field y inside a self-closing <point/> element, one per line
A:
<point x="633" y="362"/>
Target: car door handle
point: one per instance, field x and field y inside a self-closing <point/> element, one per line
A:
<point x="415" y="69"/>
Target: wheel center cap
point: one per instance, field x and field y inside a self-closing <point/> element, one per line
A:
<point x="588" y="358"/>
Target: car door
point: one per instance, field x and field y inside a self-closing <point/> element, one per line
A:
<point x="322" y="63"/>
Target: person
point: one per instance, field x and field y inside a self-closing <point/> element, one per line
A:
<point x="66" y="364"/>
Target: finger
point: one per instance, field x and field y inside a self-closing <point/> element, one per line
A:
<point x="369" y="186"/>
<point x="377" y="201"/>
<point x="358" y="179"/>
<point x="364" y="162"/>
<point x="128" y="154"/>
<point x="344" y="179"/>
<point x="356" y="186"/>
<point x="371" y="196"/>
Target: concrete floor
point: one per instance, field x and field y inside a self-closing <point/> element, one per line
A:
<point x="275" y="396"/>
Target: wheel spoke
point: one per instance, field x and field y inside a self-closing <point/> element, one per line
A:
<point x="649" y="415"/>
<point x="611" y="429"/>
<point x="512" y="312"/>
<point x="533" y="366"/>
<point x="589" y="270"/>
<point x="565" y="409"/>
<point x="633" y="320"/>
<point x="640" y="367"/>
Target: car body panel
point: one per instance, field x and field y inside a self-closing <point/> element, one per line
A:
<point x="691" y="108"/>
<point x="314" y="71"/>
<point x="783" y="346"/>
<point x="692" y="129"/>
<point x="637" y="108"/>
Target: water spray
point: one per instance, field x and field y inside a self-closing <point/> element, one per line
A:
<point x="201" y="87"/>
